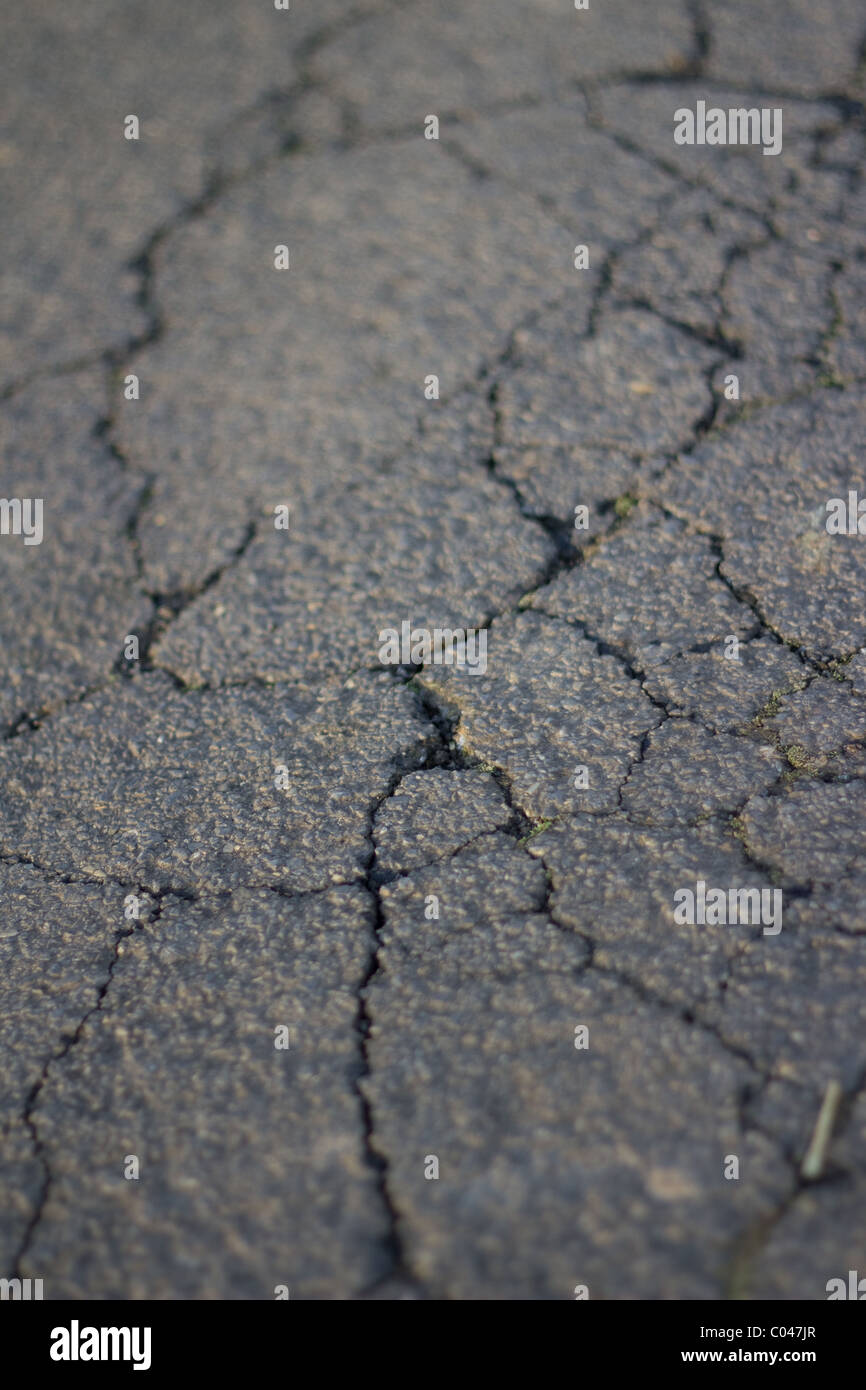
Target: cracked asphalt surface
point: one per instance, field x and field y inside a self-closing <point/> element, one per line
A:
<point x="256" y="826"/>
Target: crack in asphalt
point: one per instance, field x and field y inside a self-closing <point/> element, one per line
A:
<point x="748" y="1245"/>
<point x="440" y="715"/>
<point x="28" y="1116"/>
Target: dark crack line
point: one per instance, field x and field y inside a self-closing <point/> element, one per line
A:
<point x="686" y="1014"/>
<point x="444" y="750"/>
<point x="168" y="607"/>
<point x="748" y="1246"/>
<point x="375" y="1158"/>
<point x="28" y="1116"/>
<point x="26" y="723"/>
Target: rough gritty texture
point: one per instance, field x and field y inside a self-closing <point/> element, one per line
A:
<point x="597" y="867"/>
<point x="183" y="789"/>
<point x="433" y="814"/>
<point x="555" y="1119"/>
<point x="394" y="566"/>
<point x="430" y="878"/>
<point x="666" y="598"/>
<point x="687" y="774"/>
<point x="762" y="487"/>
<point x="57" y="945"/>
<point x="534" y="664"/>
<point x="727" y="691"/>
<point x="80" y="201"/>
<point x="58" y="637"/>
<point x="382" y="291"/>
<point x="191" y="1083"/>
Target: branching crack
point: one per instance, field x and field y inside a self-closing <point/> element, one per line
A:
<point x="29" y="1114"/>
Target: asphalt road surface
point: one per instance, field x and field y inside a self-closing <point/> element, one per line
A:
<point x="367" y="976"/>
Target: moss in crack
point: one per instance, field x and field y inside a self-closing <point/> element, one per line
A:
<point x="799" y="758"/>
<point x="738" y="828"/>
<point x="536" y="830"/>
<point x="770" y="709"/>
<point x="831" y="380"/>
<point x="624" y="505"/>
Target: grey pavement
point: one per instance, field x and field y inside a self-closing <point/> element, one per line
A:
<point x="369" y="977"/>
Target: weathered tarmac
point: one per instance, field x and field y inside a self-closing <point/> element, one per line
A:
<point x="374" y="970"/>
